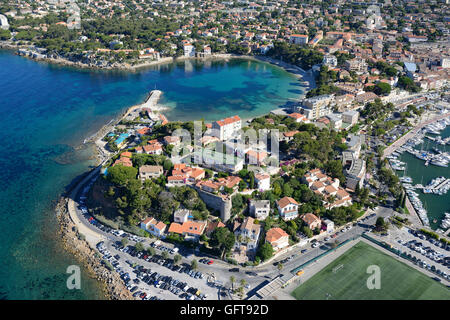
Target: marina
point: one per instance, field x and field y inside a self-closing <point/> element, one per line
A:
<point x="422" y="165"/>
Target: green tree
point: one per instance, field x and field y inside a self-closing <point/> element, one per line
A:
<point x="164" y="254"/>
<point x="139" y="247"/>
<point x="124" y="242"/>
<point x="120" y="174"/>
<point x="223" y="239"/>
<point x="265" y="251"/>
<point x="194" y="264"/>
<point x="176" y="258"/>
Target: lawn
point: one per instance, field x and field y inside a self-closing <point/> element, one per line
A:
<point x="346" y="278"/>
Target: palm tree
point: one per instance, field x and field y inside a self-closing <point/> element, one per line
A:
<point x="232" y="280"/>
<point x="243" y="282"/>
<point x="280" y="267"/>
<point x="176" y="258"/>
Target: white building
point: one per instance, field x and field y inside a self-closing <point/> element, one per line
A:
<point x="260" y="209"/>
<point x="4" y="22"/>
<point x="350" y="116"/>
<point x="189" y="50"/>
<point x="288" y="208"/>
<point x="263" y="182"/>
<point x="330" y="60"/>
<point x="445" y="62"/>
<point x="226" y="128"/>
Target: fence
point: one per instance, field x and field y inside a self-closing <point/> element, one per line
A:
<point x="295" y="270"/>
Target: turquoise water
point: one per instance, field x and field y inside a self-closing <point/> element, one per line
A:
<point x="436" y="205"/>
<point x="46" y="112"/>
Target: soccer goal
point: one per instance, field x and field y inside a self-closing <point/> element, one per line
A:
<point x="337" y="268"/>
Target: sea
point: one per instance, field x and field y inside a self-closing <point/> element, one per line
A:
<point x="436" y="205"/>
<point x="46" y="112"/>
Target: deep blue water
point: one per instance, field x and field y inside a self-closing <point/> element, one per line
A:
<point x="46" y="111"/>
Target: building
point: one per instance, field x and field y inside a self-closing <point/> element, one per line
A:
<point x="260" y="209"/>
<point x="277" y="238"/>
<point x="182" y="215"/>
<point x="354" y="143"/>
<point x="154" y="227"/>
<point x="4" y="22"/>
<point x="330" y="61"/>
<point x="318" y="106"/>
<point x="354" y="170"/>
<point x="262" y="181"/>
<point x="445" y="62"/>
<point x="189" y="50"/>
<point x="226" y="128"/>
<point x="213" y="225"/>
<point x="247" y="234"/>
<point x="218" y="161"/>
<point x="149" y="172"/>
<point x="288" y="208"/>
<point x="350" y="116"/>
<point x="328" y="226"/>
<point x="335" y="121"/>
<point x="256" y="157"/>
<point x="312" y="221"/>
<point x="321" y="184"/>
<point x="358" y="65"/>
<point x="298" y="39"/>
<point x="190" y="230"/>
<point x="298" y="117"/>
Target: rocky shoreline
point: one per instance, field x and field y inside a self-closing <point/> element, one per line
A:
<point x="72" y="241"/>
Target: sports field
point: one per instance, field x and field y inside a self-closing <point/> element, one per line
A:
<point x="346" y="279"/>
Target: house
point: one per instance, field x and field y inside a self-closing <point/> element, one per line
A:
<point x="247" y="234"/>
<point x="328" y="226"/>
<point x="171" y="140"/>
<point x="277" y="238"/>
<point x="256" y="157"/>
<point x="153" y="148"/>
<point x="191" y="230"/>
<point x="298" y="117"/>
<point x="226" y="128"/>
<point x="124" y="161"/>
<point x="154" y="227"/>
<point x="260" y="209"/>
<point x="288" y="208"/>
<point x="327" y="187"/>
<point x="312" y="221"/>
<point x="263" y="181"/>
<point x="213" y="226"/>
<point x="182" y="215"/>
<point x="149" y="172"/>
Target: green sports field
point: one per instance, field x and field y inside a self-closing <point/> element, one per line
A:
<point x="346" y="279"/>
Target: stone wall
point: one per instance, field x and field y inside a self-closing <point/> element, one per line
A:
<point x="217" y="203"/>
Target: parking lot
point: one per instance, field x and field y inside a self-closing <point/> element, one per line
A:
<point x="152" y="277"/>
<point x="427" y="253"/>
